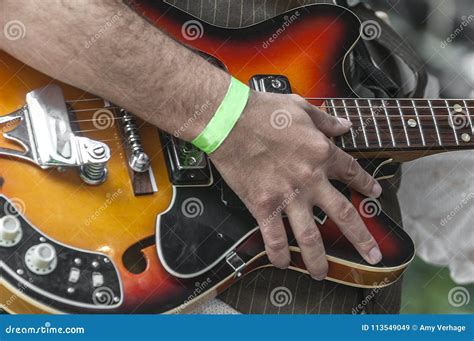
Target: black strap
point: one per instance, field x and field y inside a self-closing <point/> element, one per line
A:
<point x="373" y="78"/>
<point x="393" y="42"/>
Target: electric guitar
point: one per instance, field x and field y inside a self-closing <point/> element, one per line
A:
<point x="103" y="213"/>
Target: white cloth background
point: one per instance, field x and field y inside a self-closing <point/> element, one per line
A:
<point x="437" y="202"/>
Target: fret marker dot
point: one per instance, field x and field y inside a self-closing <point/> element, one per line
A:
<point x="466" y="137"/>
<point x="411" y="123"/>
<point x="457" y="108"/>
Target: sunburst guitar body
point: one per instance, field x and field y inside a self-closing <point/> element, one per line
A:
<point x="163" y="235"/>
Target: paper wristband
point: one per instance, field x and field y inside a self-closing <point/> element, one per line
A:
<point x="225" y="118"/>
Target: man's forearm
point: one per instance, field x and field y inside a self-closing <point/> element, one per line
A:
<point x="129" y="53"/>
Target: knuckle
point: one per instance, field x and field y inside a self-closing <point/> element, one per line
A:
<point x="352" y="170"/>
<point x="264" y="202"/>
<point x="347" y="212"/>
<point x="276" y="243"/>
<point x="309" y="237"/>
<point x="307" y="172"/>
<point x="325" y="149"/>
<point x="368" y="183"/>
<point x="367" y="245"/>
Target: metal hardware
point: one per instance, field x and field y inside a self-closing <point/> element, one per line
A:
<point x="138" y="159"/>
<point x="466" y="137"/>
<point x="271" y="83"/>
<point x="412" y="123"/>
<point x="45" y="133"/>
<point x="234" y="260"/>
<point x="187" y="156"/>
<point x="188" y="166"/>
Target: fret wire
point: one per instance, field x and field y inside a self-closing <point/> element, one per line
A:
<point x="405" y="115"/>
<point x="342" y="137"/>
<point x="388" y="121"/>
<point x="435" y="123"/>
<point x="387" y="99"/>
<point x="419" y="123"/>
<point x="347" y="114"/>
<point x="375" y="123"/>
<point x="362" y="123"/>
<point x="403" y="122"/>
<point x="448" y="107"/>
<point x="469" y="116"/>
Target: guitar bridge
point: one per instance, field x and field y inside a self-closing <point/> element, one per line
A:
<point x="45" y="133"/>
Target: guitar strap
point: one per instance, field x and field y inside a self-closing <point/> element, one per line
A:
<point x="390" y="40"/>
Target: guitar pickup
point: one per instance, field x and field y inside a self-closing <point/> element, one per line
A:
<point x="271" y="83"/>
<point x="48" y="140"/>
<point x="187" y="165"/>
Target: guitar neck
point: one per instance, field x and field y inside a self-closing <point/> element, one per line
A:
<point x="404" y="129"/>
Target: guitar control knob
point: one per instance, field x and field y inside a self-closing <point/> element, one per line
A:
<point x="10" y="231"/>
<point x="41" y="259"/>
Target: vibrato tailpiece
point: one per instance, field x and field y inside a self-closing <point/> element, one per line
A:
<point x="45" y="133"/>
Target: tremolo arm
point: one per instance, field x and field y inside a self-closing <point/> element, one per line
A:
<point x="48" y="140"/>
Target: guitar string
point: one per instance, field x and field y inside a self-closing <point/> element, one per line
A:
<point x="380" y="124"/>
<point x="326" y="98"/>
<point x="328" y="106"/>
<point x="446" y="128"/>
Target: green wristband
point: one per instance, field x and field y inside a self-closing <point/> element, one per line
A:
<point x="225" y="117"/>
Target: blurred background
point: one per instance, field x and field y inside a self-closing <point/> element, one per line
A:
<point x="442" y="32"/>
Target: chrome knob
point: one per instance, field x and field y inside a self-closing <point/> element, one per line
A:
<point x="41" y="259"/>
<point x="10" y="231"/>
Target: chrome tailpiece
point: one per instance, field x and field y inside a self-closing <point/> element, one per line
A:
<point x="48" y="140"/>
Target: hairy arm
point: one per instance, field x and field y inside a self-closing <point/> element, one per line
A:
<point x="141" y="69"/>
<point x="130" y="62"/>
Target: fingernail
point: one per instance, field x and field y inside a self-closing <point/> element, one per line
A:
<point x="319" y="277"/>
<point x="344" y="122"/>
<point x="375" y="256"/>
<point x="376" y="190"/>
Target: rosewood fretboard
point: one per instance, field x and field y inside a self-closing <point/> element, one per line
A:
<point x="405" y="125"/>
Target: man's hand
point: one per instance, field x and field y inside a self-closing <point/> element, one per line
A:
<point x="278" y="159"/>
